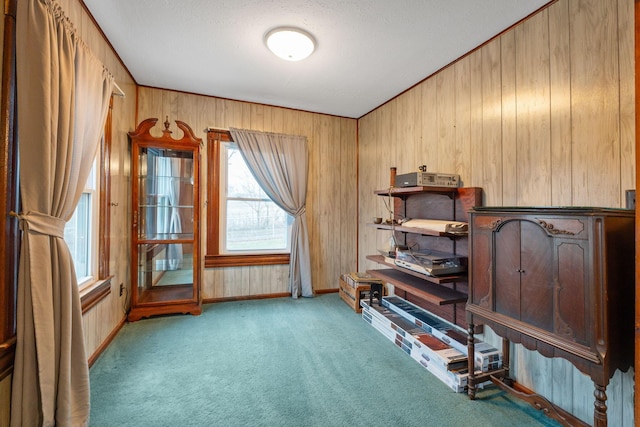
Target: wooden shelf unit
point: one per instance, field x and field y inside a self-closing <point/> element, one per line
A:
<point x="434" y="293"/>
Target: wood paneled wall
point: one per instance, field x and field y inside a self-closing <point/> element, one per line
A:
<point x="542" y="115"/>
<point x="331" y="197"/>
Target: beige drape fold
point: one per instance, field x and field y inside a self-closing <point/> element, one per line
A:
<point x="62" y="96"/>
<point x="280" y="165"/>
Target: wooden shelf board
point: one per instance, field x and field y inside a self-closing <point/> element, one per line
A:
<point x="431" y="292"/>
<point x="164" y="294"/>
<point x="421" y="231"/>
<point x="406" y="191"/>
<point x="433" y="279"/>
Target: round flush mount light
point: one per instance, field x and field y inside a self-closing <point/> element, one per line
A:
<point x="291" y="44"/>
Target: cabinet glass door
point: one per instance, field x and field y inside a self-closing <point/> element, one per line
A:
<point x="165" y="224"/>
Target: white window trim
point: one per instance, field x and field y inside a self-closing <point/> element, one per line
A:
<point x="92" y="187"/>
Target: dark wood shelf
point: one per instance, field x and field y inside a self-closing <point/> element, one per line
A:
<point x="434" y="293"/>
<point x="408" y="191"/>
<point x="421" y="231"/>
<point x="433" y="279"/>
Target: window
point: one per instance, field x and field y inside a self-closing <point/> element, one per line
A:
<point x="244" y="226"/>
<point x="87" y="233"/>
<point x="81" y="232"/>
<point x="249" y="220"/>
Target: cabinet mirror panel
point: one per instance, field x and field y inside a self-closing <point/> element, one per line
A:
<point x="166" y="190"/>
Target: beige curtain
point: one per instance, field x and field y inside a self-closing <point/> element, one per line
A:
<point x="63" y="93"/>
<point x="280" y="165"/>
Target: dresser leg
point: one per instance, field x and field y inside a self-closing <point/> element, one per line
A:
<point x="471" y="350"/>
<point x="600" y="406"/>
<point x="506" y="345"/>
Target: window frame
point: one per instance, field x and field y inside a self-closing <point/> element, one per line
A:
<point x="100" y="288"/>
<point x="9" y="196"/>
<point x="213" y="256"/>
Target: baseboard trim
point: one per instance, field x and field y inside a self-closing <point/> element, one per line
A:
<point x="261" y="296"/>
<point x="327" y="291"/>
<point x="245" y="297"/>
<point x="106" y="342"/>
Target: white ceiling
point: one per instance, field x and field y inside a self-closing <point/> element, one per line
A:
<point x="368" y="51"/>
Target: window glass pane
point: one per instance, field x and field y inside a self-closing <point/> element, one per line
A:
<point x="77" y="234"/>
<point x="256" y="225"/>
<point x="240" y="181"/>
<point x="251" y="221"/>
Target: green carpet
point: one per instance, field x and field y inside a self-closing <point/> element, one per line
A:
<point x="279" y="362"/>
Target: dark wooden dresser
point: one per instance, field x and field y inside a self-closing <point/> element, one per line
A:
<point x="559" y="281"/>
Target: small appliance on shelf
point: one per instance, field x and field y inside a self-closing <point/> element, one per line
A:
<point x="430" y="262"/>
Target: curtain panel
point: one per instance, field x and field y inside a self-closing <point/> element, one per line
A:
<point x="63" y="94"/>
<point x="280" y="164"/>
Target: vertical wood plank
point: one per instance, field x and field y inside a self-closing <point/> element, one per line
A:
<point x="386" y="157"/>
<point x="626" y="57"/>
<point x="492" y="123"/>
<point x="368" y="206"/>
<point x="389" y="148"/>
<point x="594" y="103"/>
<point x="461" y="146"/>
<point x="533" y="121"/>
<point x="405" y="138"/>
<point x="510" y="164"/>
<point x="333" y="191"/>
<point x="348" y="206"/>
<point x="277" y="120"/>
<point x="476" y="122"/>
<point x="445" y="104"/>
<point x="314" y="190"/>
<point x="583" y="399"/>
<point x="427" y="148"/>
<point x="560" y="103"/>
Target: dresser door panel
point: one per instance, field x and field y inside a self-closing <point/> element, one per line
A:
<point x="573" y="310"/>
<point x="481" y="270"/>
<point x="507" y="268"/>
<point x="536" y="272"/>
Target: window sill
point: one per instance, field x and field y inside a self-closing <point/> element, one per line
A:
<point x="245" y="260"/>
<point x="93" y="294"/>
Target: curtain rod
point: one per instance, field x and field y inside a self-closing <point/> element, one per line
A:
<point x="116" y="90"/>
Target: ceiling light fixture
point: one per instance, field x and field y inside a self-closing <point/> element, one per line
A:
<point x="292" y="44"/>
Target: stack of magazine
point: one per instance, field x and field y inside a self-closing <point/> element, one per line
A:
<point x="436" y="344"/>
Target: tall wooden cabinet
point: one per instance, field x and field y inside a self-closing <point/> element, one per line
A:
<point x="165" y="273"/>
<point x="559" y="281"/>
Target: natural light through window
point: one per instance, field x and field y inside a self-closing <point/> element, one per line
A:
<point x="81" y="232"/>
<point x="249" y="221"/>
